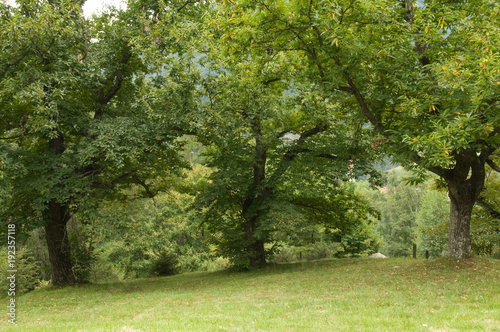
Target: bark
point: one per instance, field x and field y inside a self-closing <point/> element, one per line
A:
<point x="257" y="253"/>
<point x="465" y="183"/>
<point x="57" y="216"/>
<point x="263" y="187"/>
<point x="459" y="235"/>
<point x="252" y="206"/>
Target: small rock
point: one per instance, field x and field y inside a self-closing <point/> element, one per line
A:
<point x="378" y="255"/>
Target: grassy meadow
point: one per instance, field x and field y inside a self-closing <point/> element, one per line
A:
<point x="327" y="295"/>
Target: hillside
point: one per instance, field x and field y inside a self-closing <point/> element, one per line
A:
<point x="327" y="295"/>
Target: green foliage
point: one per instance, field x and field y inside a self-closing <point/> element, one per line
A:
<point x="37" y="245"/>
<point x="321" y="250"/>
<point x="27" y="275"/>
<point x="425" y="80"/>
<point x="432" y="223"/>
<point x="165" y="264"/>
<point x="83" y="120"/>
<point x="131" y="236"/>
<point x="285" y="254"/>
<point x="409" y="214"/>
<point x="399" y="204"/>
<point x="277" y="143"/>
<point x="83" y="255"/>
<point x="361" y="242"/>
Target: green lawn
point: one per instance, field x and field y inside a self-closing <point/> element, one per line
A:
<point x="328" y="295"/>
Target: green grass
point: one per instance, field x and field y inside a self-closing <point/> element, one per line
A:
<point x="328" y="295"/>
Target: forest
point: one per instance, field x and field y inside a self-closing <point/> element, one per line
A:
<point x="197" y="135"/>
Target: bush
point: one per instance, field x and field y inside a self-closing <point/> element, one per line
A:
<point x="321" y="250"/>
<point x="217" y="264"/>
<point x="165" y="264"/>
<point x="103" y="269"/>
<point x="361" y="242"/>
<point x="190" y="263"/>
<point x="285" y="254"/>
<point x="27" y="275"/>
<point x="83" y="260"/>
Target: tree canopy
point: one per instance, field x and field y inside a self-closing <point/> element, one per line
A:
<point x="289" y="100"/>
<point x="425" y="77"/>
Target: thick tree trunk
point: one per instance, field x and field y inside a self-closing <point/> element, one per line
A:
<point x="459" y="235"/>
<point x="465" y="183"/>
<point x="57" y="216"/>
<point x="255" y="248"/>
<point x="252" y="207"/>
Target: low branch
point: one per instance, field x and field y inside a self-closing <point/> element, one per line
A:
<point x="117" y="77"/>
<point x="272" y="80"/>
<point x="493" y="166"/>
<point x="135" y="179"/>
<point x="488" y="208"/>
<point x="187" y="3"/>
<point x="13" y="137"/>
<point x="144" y="185"/>
<point x="327" y="156"/>
<point x="344" y="88"/>
<point x="122" y="177"/>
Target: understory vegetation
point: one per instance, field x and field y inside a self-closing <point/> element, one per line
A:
<point x="166" y="235"/>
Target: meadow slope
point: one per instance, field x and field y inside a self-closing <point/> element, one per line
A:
<point x="327" y="295"/>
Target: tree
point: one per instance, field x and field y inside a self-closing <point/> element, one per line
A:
<point x="425" y="78"/>
<point x="76" y="123"/>
<point x="278" y="146"/>
<point x="433" y="223"/>
<point x="399" y="204"/>
<point x="485" y="227"/>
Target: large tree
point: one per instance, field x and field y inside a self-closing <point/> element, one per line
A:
<point x="76" y="120"/>
<point x="277" y="144"/>
<point x="424" y="77"/>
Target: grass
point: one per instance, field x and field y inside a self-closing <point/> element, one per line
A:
<point x="327" y="295"/>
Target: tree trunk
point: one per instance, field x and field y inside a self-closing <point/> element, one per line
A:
<point x="459" y="234"/>
<point x="252" y="207"/>
<point x="255" y="248"/>
<point x="465" y="183"/>
<point x="57" y="216"/>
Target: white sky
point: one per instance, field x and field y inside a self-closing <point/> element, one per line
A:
<point x="95" y="6"/>
<point x="91" y="6"/>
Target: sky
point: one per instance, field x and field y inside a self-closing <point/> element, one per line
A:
<point x="90" y="6"/>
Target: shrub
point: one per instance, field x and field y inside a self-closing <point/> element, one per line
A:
<point x="27" y="275"/>
<point x="360" y="242"/>
<point x="285" y="254"/>
<point x="190" y="263"/>
<point x="217" y="264"/>
<point x="321" y="250"/>
<point x="165" y="264"/>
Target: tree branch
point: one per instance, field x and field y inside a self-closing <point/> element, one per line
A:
<point x="117" y="77"/>
<point x="13" y="137"/>
<point x="327" y="156"/>
<point x="144" y="185"/>
<point x="272" y="80"/>
<point x="290" y="155"/>
<point x="488" y="208"/>
<point x="187" y="3"/>
<point x="360" y="99"/>
<point x="135" y="179"/>
<point x="492" y="164"/>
